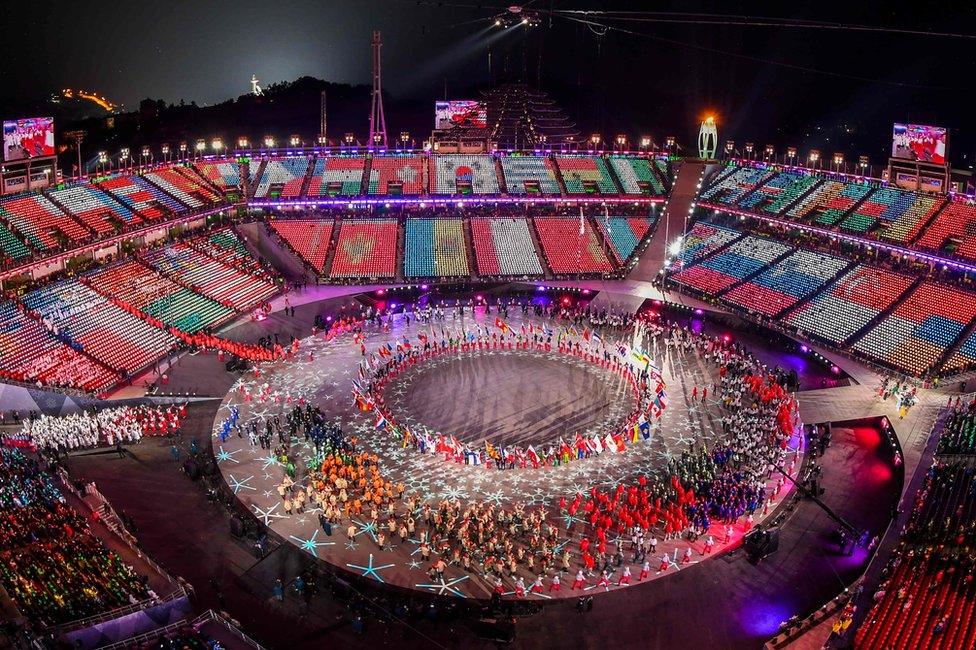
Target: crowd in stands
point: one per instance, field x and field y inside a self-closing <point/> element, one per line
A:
<point x="53" y="567"/>
<point x="927" y="598"/>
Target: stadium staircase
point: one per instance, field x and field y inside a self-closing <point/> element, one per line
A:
<point x="502" y="183"/>
<point x="307" y="180"/>
<point x="883" y="315"/>
<point x="165" y="193"/>
<point x="539" y="251"/>
<point x="331" y="252"/>
<point x="367" y="168"/>
<point x="264" y="245"/>
<point x="559" y="176"/>
<point x="803" y="195"/>
<point x="469" y="245"/>
<point x="191" y="174"/>
<point x="401" y="246"/>
<point x="612" y="172"/>
<point x="672" y="221"/>
<point x="257" y="178"/>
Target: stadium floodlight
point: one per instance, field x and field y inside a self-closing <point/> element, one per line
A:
<point x="814" y="158"/>
<point x="862" y="163"/>
<point x="294" y="140"/>
<point x="770" y="152"/>
<point x="669" y="142"/>
<point x="404" y="137"/>
<point x="791" y="154"/>
<point x="838" y="160"/>
<point x="674" y="248"/>
<point x="102" y="157"/>
<point x="349" y="138"/>
<point x="164" y="148"/>
<point x="749" y="149"/>
<point x="269" y="141"/>
<point x="595" y="140"/>
<point x="621" y="141"/>
<point x="645" y="142"/>
<point x="729" y="147"/>
<point x="145" y="151"/>
<point x="242" y="142"/>
<point x="216" y="144"/>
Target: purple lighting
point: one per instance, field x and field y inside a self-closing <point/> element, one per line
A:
<point x="804" y="349"/>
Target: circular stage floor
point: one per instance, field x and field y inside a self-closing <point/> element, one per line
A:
<point x="517" y="395"/>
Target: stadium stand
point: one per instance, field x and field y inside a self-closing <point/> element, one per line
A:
<point x="11" y="248"/>
<point x="717" y="273"/>
<point x="434" y="248"/>
<point x="828" y="202"/>
<point x="233" y="288"/>
<point x="728" y="189"/>
<point x="307" y="237"/>
<point x="337" y="176"/>
<point x="52" y="565"/>
<point x="963" y="358"/>
<point x="225" y="246"/>
<point x="103" y="330"/>
<point x="224" y="174"/>
<point x="623" y="234"/>
<point x="94" y="208"/>
<point x="585" y="175"/>
<point x="906" y="216"/>
<point x="637" y="176"/>
<point x="144" y="199"/>
<point x="953" y="230"/>
<point x="282" y="178"/>
<point x="883" y="203"/>
<point x="188" y="192"/>
<point x="780" y="191"/>
<point x="503" y="247"/>
<point x="852" y="302"/>
<point x="396" y="175"/>
<point x="783" y="284"/>
<point x="460" y="174"/>
<point x="137" y="285"/>
<point x="29" y="352"/>
<point x="928" y="597"/>
<point x="920" y="329"/>
<point x="568" y="251"/>
<point x="366" y="248"/>
<point x="529" y="175"/>
<point x="701" y="241"/>
<point x="41" y="222"/>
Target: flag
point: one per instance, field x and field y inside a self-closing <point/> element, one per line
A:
<point x="644" y="427"/>
<point x="597" y="337"/>
<point x="636" y="434"/>
<point x="546" y="330"/>
<point x="662" y="399"/>
<point x="586" y="334"/>
<point x="610" y="443"/>
<point x="502" y="325"/>
<point x="640" y="356"/>
<point x="597" y="445"/>
<point x="381" y="422"/>
<point x="532" y="456"/>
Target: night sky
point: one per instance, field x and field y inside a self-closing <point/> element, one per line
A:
<point x="657" y="81"/>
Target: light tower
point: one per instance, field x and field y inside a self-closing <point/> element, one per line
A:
<point x="377" y="122"/>
<point x="707" y="139"/>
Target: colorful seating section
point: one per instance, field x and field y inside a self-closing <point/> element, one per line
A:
<point x="964" y="357"/>
<point x="637" y="176"/>
<point x="624" y="234"/>
<point x="435" y="248"/>
<point x="366" y="249"/>
<point x="37" y="219"/>
<point x="778" y="192"/>
<point x="146" y="200"/>
<point x="852" y="302"/>
<point x="906" y="215"/>
<point x="224" y="174"/>
<point x="101" y="329"/>
<point x="337" y="176"/>
<point x="955" y="229"/>
<point x="928" y="597"/>
<point x="582" y="174"/>
<point x="407" y="172"/>
<point x="187" y="191"/>
<point x="198" y="271"/>
<point x="731" y="187"/>
<point x="701" y="241"/>
<point x="308" y="238"/>
<point x="137" y="285"/>
<point x="504" y="247"/>
<point x="225" y="246"/>
<point x="916" y="334"/>
<point x="529" y="175"/>
<point x="453" y="172"/>
<point x="568" y="251"/>
<point x="282" y="177"/>
<point x="783" y="284"/>
<point x="740" y="260"/>
<point x="53" y="567"/>
<point x="29" y="352"/>
<point x="11" y="248"/>
<point x="94" y="208"/>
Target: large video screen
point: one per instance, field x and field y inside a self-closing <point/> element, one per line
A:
<point x="919" y="142"/>
<point x="458" y="114"/>
<point x="31" y="137"/>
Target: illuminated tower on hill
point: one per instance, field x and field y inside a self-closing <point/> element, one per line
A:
<point x="521" y="117"/>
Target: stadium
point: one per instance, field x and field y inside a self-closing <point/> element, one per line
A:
<point x="509" y="381"/>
